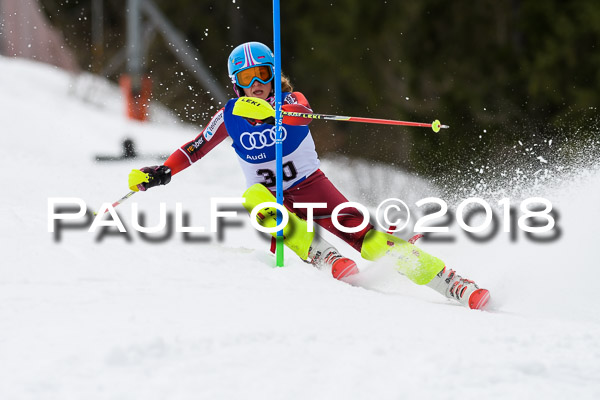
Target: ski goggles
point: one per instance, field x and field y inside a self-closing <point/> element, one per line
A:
<point x="246" y="77"/>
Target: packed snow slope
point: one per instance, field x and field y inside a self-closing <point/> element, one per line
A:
<point x="116" y="316"/>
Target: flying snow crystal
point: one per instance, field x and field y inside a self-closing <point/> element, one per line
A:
<point x="542" y="159"/>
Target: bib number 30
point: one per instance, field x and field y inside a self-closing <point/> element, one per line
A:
<point x="289" y="173"/>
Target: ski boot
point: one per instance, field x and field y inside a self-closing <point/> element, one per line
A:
<point x="465" y="291"/>
<point x="322" y="254"/>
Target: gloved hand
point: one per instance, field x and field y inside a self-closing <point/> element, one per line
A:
<point x="297" y="108"/>
<point x="147" y="177"/>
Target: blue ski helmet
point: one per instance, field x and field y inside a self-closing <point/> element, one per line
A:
<point x="249" y="55"/>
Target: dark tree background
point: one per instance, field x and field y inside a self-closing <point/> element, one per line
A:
<point x="496" y="71"/>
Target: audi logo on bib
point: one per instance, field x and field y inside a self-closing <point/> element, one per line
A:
<point x="260" y="140"/>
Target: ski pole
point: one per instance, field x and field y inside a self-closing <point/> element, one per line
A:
<point x="255" y="108"/>
<point x="435" y="125"/>
<point x="121" y="200"/>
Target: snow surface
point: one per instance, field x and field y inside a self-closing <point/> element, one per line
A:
<point x="117" y="317"/>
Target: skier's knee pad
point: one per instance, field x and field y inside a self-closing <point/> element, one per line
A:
<point x="413" y="262"/>
<point x="295" y="233"/>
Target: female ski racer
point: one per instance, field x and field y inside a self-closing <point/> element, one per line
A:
<point x="250" y="67"/>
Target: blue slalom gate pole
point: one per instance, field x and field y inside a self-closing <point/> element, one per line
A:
<point x="278" y="128"/>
